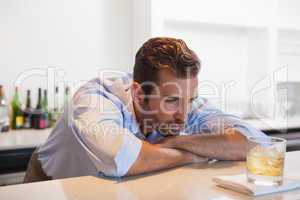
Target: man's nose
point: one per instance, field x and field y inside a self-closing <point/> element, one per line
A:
<point x="181" y="113"/>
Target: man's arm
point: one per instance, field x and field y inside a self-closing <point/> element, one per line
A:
<point x="214" y="134"/>
<point x="112" y="148"/>
<point x="117" y="152"/>
<point x="231" y="145"/>
<point x="154" y="157"/>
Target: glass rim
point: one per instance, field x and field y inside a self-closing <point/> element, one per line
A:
<point x="276" y="139"/>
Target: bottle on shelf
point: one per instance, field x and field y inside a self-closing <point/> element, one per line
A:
<point x="55" y="111"/>
<point x="17" y="113"/>
<point x="67" y="102"/>
<point x="28" y="111"/>
<point x="67" y="95"/>
<point x="46" y="110"/>
<point x="39" y="116"/>
<point x="66" y="108"/>
<point x="4" y="118"/>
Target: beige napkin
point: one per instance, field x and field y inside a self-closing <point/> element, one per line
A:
<point x="240" y="184"/>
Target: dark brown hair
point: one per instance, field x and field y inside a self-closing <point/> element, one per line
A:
<point x="163" y="52"/>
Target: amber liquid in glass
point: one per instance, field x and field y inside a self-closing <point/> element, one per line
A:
<point x="265" y="166"/>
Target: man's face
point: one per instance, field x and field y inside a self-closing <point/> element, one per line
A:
<point x="169" y="103"/>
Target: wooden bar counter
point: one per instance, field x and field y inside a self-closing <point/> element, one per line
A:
<point x="188" y="182"/>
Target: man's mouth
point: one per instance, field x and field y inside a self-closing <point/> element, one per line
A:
<point x="177" y="127"/>
<point x="172" y="128"/>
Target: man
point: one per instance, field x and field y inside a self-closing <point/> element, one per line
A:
<point x="121" y="127"/>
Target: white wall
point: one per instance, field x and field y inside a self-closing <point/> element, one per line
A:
<point x="141" y="23"/>
<point x="79" y="37"/>
<point x="239" y="41"/>
<point x="236" y="39"/>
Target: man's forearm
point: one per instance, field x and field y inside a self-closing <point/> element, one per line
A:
<point x="154" y="157"/>
<point x="230" y="145"/>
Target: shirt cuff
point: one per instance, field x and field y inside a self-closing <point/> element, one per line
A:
<point x="128" y="153"/>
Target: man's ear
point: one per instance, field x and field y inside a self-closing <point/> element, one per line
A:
<point x="137" y="92"/>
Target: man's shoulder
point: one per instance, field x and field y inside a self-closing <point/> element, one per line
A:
<point x="104" y="86"/>
<point x="108" y="94"/>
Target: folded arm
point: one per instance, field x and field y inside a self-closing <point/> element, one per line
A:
<point x="214" y="134"/>
<point x="231" y="145"/>
<point x="115" y="150"/>
<point x="153" y="157"/>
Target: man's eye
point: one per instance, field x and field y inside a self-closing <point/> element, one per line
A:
<point x="193" y="100"/>
<point x="171" y="100"/>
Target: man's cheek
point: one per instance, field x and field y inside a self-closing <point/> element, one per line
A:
<point x="162" y="118"/>
<point x="168" y="109"/>
<point x="166" y="114"/>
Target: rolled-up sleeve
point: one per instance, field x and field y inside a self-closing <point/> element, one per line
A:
<point x="112" y="148"/>
<point x="205" y="118"/>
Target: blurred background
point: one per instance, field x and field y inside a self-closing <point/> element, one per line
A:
<point x="249" y="49"/>
<point x="246" y="47"/>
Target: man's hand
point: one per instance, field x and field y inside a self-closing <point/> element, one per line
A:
<point x="230" y="145"/>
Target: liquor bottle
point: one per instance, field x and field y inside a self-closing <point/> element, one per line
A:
<point x="4" y="118"/>
<point x="55" y="111"/>
<point x="67" y="95"/>
<point x="66" y="102"/>
<point x="28" y="111"/>
<point x="45" y="109"/>
<point x="39" y="117"/>
<point x="17" y="113"/>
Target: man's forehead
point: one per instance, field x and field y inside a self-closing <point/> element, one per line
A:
<point x="168" y="75"/>
<point x="170" y="83"/>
